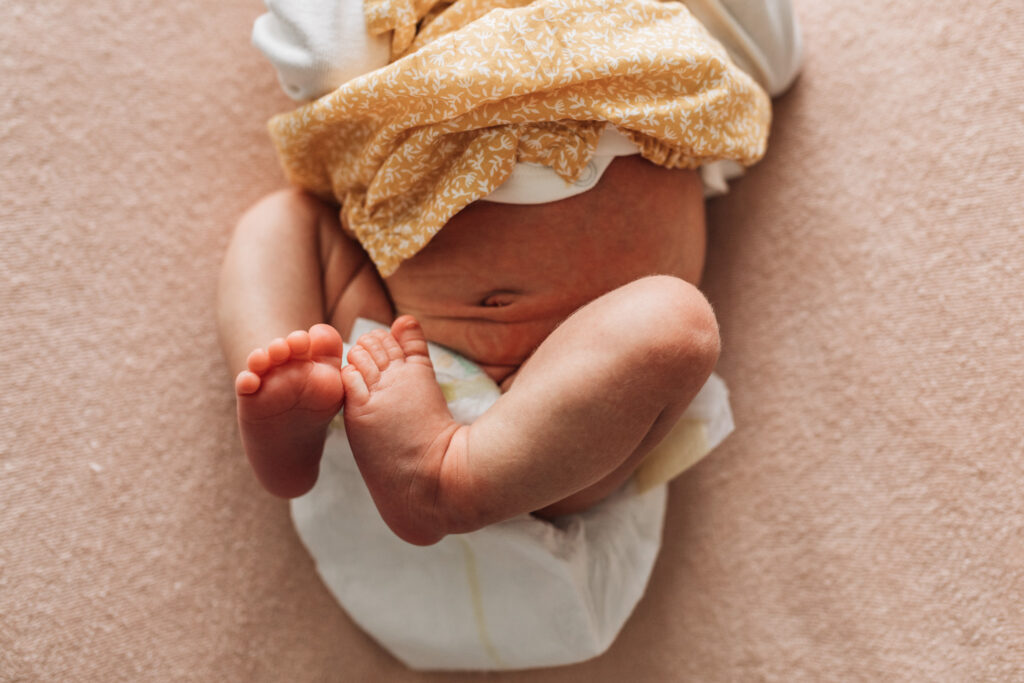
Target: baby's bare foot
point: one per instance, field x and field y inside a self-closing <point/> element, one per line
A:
<point x="286" y="399"/>
<point x="399" y="427"/>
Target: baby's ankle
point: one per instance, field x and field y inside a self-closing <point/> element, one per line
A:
<point x="440" y="496"/>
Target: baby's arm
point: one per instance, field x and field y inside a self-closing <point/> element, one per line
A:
<point x="288" y="269"/>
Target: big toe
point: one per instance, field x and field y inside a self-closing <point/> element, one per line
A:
<point x="324" y="340"/>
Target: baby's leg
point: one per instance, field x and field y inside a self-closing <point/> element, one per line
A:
<point x="286" y="258"/>
<point x="596" y="396"/>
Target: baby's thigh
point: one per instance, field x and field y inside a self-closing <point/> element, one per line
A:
<point x="641" y="352"/>
<point x="651" y="329"/>
<point x="351" y="286"/>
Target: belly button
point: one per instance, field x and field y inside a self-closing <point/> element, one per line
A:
<point x="498" y="299"/>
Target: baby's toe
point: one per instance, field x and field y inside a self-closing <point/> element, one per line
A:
<point x="409" y="335"/>
<point x="356" y="391"/>
<point x="247" y="383"/>
<point x="278" y="351"/>
<point x="298" y="343"/>
<point x="391" y="346"/>
<point x="374" y="345"/>
<point x="324" y="340"/>
<point x="361" y="359"/>
<point x="258" y="361"/>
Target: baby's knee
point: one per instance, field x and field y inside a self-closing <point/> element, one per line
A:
<point x="286" y="212"/>
<point x="672" y="326"/>
<point x="290" y="200"/>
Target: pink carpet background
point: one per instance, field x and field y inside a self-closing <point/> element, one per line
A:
<point x="864" y="522"/>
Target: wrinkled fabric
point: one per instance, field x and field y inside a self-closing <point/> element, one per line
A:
<point x="406" y="147"/>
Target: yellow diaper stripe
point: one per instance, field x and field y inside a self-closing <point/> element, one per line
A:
<point x="683" y="448"/>
<point x="477" y="599"/>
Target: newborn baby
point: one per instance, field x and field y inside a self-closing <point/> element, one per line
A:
<point x="585" y="310"/>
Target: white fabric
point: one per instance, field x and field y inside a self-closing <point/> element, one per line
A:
<point x="519" y="594"/>
<point x="761" y="36"/>
<point x="538" y="184"/>
<point x="316" y="45"/>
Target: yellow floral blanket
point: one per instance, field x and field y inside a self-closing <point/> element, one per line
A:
<point x="478" y="85"/>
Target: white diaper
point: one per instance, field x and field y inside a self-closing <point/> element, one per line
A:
<point x="520" y="594"/>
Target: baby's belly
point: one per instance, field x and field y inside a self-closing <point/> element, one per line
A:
<point x="501" y="328"/>
<point x="498" y="278"/>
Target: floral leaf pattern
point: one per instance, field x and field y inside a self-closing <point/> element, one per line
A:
<point x="488" y="83"/>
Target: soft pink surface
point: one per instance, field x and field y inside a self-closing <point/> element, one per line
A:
<point x="865" y="522"/>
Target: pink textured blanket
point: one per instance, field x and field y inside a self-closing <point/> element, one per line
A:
<point x="863" y="523"/>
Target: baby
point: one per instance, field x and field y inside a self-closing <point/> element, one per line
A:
<point x="586" y="311"/>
